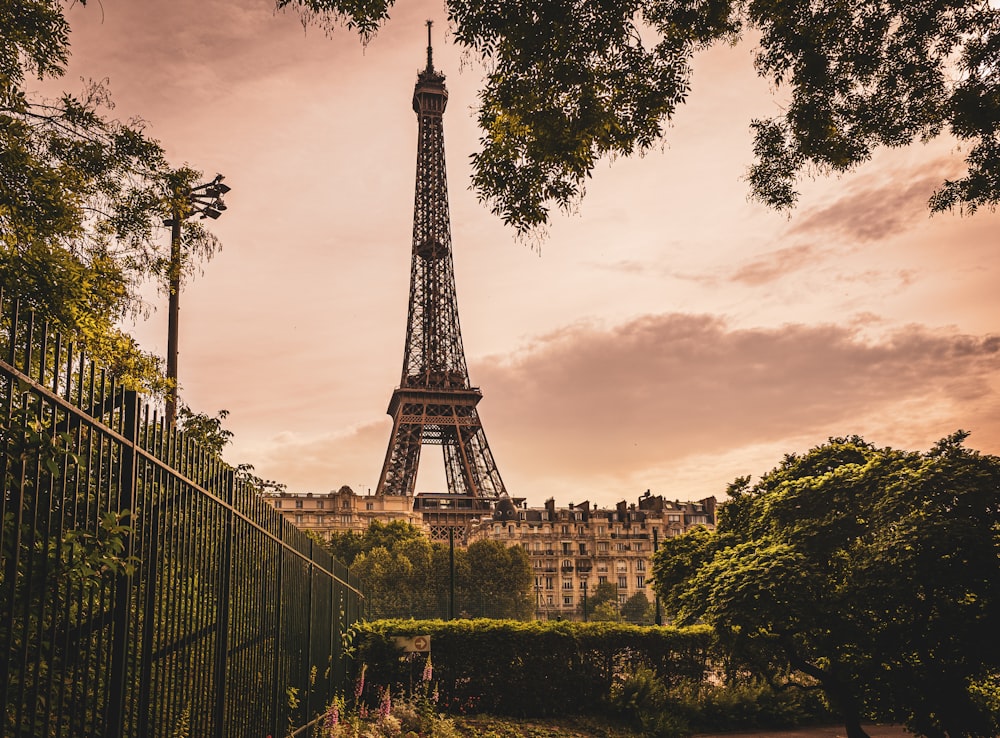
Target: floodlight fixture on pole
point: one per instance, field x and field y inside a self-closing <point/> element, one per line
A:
<point x="205" y="201"/>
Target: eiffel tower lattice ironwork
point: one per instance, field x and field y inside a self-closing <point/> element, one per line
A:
<point x="435" y="402"/>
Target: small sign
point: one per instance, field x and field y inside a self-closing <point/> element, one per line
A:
<point x="414" y="644"/>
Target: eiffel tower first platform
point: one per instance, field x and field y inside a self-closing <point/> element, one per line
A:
<point x="435" y="402"/>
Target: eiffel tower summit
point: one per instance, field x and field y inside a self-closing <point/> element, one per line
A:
<point x="435" y="402"/>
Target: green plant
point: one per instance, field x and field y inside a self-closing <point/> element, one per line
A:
<point x="643" y="699"/>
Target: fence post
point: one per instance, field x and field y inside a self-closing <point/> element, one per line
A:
<point x="222" y="624"/>
<point x="149" y="619"/>
<point x="114" y="724"/>
<point x="279" y="694"/>
<point x="306" y="714"/>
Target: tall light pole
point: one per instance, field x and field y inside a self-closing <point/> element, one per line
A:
<point x="204" y="200"/>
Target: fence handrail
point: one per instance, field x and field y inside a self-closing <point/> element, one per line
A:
<point x="152" y="458"/>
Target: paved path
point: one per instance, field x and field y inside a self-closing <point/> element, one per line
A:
<point x="832" y="731"/>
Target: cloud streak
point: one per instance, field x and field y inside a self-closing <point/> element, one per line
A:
<point x="878" y="206"/>
<point x="664" y="387"/>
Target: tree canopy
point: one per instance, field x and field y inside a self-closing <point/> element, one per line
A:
<point x="406" y="575"/>
<point x="871" y="572"/>
<point x="572" y="81"/>
<point x="83" y="197"/>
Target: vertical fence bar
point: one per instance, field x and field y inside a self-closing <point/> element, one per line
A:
<point x="222" y="616"/>
<point x="276" y="703"/>
<point x="120" y="629"/>
<point x="149" y="619"/>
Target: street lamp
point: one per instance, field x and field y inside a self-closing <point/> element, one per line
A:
<point x="205" y="201"/>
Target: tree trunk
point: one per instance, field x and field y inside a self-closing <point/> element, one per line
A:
<point x="853" y="727"/>
<point x="841" y="697"/>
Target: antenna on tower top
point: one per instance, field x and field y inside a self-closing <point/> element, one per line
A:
<point x="430" y="51"/>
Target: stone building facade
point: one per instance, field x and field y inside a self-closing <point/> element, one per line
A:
<point x="573" y="549"/>
<point x="343" y="510"/>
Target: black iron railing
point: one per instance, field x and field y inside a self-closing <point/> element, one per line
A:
<point x="146" y="589"/>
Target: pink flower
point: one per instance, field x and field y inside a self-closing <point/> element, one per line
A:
<point x="332" y="716"/>
<point x="386" y="707"/>
<point x="428" y="671"/>
<point x="360" y="686"/>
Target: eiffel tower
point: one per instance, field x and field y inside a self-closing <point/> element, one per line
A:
<point x="435" y="402"/>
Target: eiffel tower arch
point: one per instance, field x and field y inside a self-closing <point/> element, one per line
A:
<point x="435" y="402"/>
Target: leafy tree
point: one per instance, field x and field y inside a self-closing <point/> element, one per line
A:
<point x="872" y="571"/>
<point x="638" y="609"/>
<point x="386" y="577"/>
<point x="606" y="612"/>
<point x="343" y="545"/>
<point x="603" y="603"/>
<point x="406" y="575"/>
<point x="501" y="578"/>
<point x="82" y="198"/>
<point x="604" y="592"/>
<point x="347" y="545"/>
<point x="390" y="535"/>
<point x="571" y="81"/>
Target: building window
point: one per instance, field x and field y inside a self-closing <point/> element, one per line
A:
<point x="567" y="601"/>
<point x="600" y="530"/>
<point x="640" y="565"/>
<point x="567" y="584"/>
<point x="565" y="530"/>
<point x="602" y="580"/>
<point x="583" y="549"/>
<point x="602" y="547"/>
<point x="580" y="531"/>
<point x="637" y="546"/>
<point x="622" y="599"/>
<point x="319" y="504"/>
<point x="549" y="583"/>
<point x="298" y="503"/>
<point x="567" y="548"/>
<point x="583" y="584"/>
<point x="538" y="582"/>
<point x="640" y="582"/>
<point x="622" y="582"/>
<point x="277" y="503"/>
<point x="298" y="520"/>
<point x="622" y="547"/>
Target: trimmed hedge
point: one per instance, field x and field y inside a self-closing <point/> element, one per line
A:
<point x="529" y="669"/>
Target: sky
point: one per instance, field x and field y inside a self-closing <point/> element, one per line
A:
<point x="667" y="335"/>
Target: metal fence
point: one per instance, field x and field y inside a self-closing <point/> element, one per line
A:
<point x="145" y="587"/>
